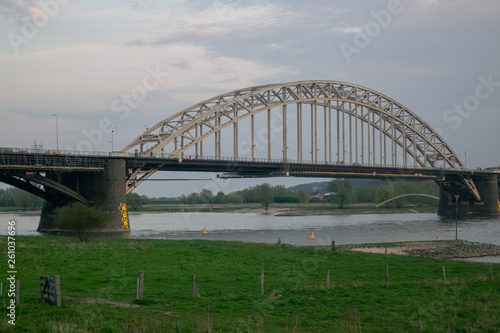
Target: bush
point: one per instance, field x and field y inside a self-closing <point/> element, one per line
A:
<point x="80" y="220"/>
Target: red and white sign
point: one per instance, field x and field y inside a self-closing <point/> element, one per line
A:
<point x="456" y="197"/>
<point x="30" y="173"/>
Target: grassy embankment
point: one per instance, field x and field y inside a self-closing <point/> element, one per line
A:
<point x="98" y="282"/>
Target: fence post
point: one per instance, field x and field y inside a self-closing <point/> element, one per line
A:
<point x="327" y="279"/>
<point x="490" y="276"/>
<point x="57" y="283"/>
<point x="444" y="277"/>
<point x="17" y="293"/>
<point x="333" y="246"/>
<point x="194" y="286"/>
<point x="140" y="286"/>
<point x="386" y="276"/>
<point x="262" y="283"/>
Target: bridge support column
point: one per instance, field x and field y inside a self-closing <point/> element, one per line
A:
<point x="487" y="187"/>
<point x="105" y="191"/>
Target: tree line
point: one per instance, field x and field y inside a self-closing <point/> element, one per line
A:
<point x="15" y="197"/>
<point x="340" y="192"/>
<point x="343" y="193"/>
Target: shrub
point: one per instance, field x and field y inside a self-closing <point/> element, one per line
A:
<point x="80" y="220"/>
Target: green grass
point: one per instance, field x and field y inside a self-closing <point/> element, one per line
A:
<point x="98" y="283"/>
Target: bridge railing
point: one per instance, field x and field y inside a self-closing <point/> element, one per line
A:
<point x="98" y="154"/>
<point x="288" y="161"/>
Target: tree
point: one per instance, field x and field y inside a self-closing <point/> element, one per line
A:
<point x="145" y="200"/>
<point x="366" y="193"/>
<point x="206" y="196"/>
<point x="302" y="196"/>
<point x="265" y="194"/>
<point x="235" y="199"/>
<point x="249" y="195"/>
<point x="385" y="193"/>
<point x="220" y="198"/>
<point x="21" y="198"/>
<point x="134" y="200"/>
<point x="80" y="220"/>
<point x="343" y="192"/>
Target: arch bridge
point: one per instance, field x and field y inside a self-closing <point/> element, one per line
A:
<point x="314" y="128"/>
<point x="340" y="128"/>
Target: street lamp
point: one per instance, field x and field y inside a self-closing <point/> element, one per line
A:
<point x="456" y="216"/>
<point x="57" y="132"/>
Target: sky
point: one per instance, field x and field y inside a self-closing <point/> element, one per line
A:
<point x="67" y="66"/>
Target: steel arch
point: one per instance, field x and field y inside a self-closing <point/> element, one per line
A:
<point x="379" y="114"/>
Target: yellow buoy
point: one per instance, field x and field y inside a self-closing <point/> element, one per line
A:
<point x="437" y="237"/>
<point x="204" y="231"/>
<point x="312" y="236"/>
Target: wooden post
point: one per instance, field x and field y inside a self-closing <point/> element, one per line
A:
<point x="57" y="285"/>
<point x="490" y="276"/>
<point x="140" y="286"/>
<point x="386" y="276"/>
<point x="262" y="283"/>
<point x="444" y="277"/>
<point x="328" y="279"/>
<point x="333" y="246"/>
<point x="194" y="286"/>
<point x="17" y="293"/>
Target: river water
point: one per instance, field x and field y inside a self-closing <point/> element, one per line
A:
<point x="297" y="230"/>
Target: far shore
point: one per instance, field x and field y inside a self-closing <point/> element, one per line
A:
<point x="274" y="209"/>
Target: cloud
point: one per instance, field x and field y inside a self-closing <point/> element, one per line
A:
<point x="15" y="9"/>
<point x="199" y="20"/>
<point x="349" y="30"/>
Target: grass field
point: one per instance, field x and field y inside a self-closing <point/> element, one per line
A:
<point x="98" y="283"/>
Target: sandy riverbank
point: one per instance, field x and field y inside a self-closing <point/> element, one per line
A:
<point x="432" y="249"/>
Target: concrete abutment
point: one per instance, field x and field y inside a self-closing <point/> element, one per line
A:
<point x="104" y="190"/>
<point x="487" y="187"/>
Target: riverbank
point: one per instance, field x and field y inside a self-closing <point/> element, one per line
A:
<point x="435" y="249"/>
<point x="284" y="209"/>
<point x="99" y="279"/>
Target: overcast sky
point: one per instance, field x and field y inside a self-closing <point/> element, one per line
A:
<point x="81" y="59"/>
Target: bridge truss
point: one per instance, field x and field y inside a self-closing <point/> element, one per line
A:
<point x="319" y="122"/>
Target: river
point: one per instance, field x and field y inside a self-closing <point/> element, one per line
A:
<point x="296" y="230"/>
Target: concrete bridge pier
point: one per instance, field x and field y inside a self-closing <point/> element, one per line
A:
<point x="104" y="190"/>
<point x="487" y="187"/>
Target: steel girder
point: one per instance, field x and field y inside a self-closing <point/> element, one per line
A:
<point x="188" y="128"/>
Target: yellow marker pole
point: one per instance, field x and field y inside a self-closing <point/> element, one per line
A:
<point x="205" y="231"/>
<point x="312" y="236"/>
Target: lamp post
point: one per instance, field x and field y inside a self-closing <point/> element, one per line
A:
<point x="112" y="132"/>
<point x="456" y="216"/>
<point x="57" y="132"/>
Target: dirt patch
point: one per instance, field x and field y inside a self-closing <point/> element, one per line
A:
<point x="121" y="304"/>
<point x="434" y="249"/>
<point x="92" y="300"/>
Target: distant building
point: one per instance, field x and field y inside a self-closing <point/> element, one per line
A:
<point x="320" y="197"/>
